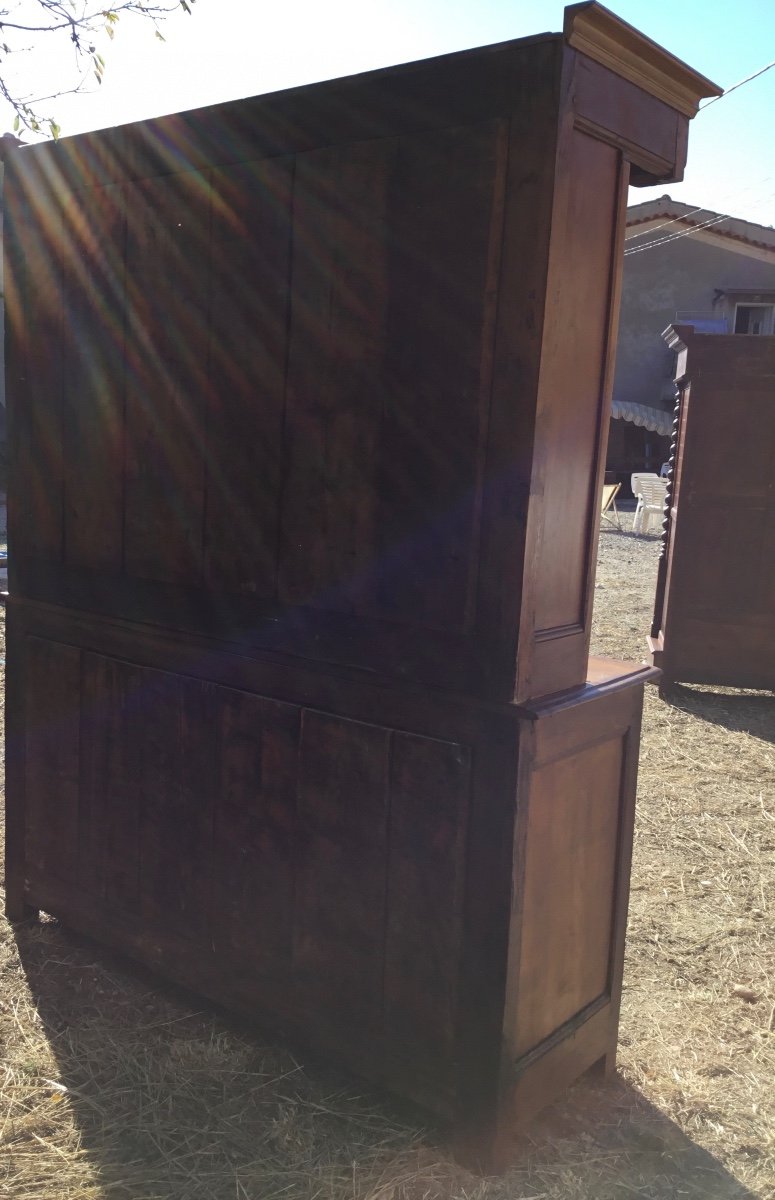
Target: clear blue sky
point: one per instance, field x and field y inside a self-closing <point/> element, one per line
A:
<point x="233" y="48"/>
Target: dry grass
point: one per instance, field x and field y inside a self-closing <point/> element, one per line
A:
<point x="116" y="1088"/>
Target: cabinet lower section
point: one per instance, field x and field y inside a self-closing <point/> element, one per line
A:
<point x="428" y="890"/>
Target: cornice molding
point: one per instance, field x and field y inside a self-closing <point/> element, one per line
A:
<point x="599" y="34"/>
<point x="678" y="336"/>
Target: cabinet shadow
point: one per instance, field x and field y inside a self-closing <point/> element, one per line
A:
<point x="174" y="1101"/>
<point x="738" y="711"/>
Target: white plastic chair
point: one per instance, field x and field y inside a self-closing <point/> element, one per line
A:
<point x="635" y="484"/>
<point x="650" y="492"/>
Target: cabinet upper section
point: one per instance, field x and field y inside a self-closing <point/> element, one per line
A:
<point x="324" y="373"/>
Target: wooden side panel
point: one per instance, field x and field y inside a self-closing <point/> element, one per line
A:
<point x="254" y="831"/>
<point x="188" y="803"/>
<point x="189" y="875"/>
<point x="574" y="350"/>
<point x="148" y="784"/>
<point x="311" y="866"/>
<point x="445" y="214"/>
<point x="389" y="374"/>
<point x="429" y="802"/>
<point x="111" y="781"/>
<point x="33" y="315"/>
<point x="163" y="818"/>
<point x="527" y="222"/>
<point x="579" y="336"/>
<point x="52" y="720"/>
<point x="573" y="850"/>
<point x="336" y="397"/>
<point x="251" y="247"/>
<point x="93" y="378"/>
<point x="168" y="232"/>
<point x="178" y="775"/>
<point x="568" y="896"/>
<point x="340" y="889"/>
<point x="15" y="769"/>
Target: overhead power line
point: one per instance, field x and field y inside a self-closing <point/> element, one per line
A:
<point x="684" y="216"/>
<point x="674" y="237"/>
<point x="643" y="232"/>
<point x="735" y="86"/>
<point x="733" y="196"/>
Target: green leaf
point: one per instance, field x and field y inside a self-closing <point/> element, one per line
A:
<point x="16" y="123"/>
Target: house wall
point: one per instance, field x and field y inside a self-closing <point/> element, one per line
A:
<point x="680" y="277"/>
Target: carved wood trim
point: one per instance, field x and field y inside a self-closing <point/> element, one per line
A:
<point x="604" y="37"/>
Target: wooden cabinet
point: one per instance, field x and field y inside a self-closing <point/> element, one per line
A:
<point x="714" y="618"/>
<point x="308" y="404"/>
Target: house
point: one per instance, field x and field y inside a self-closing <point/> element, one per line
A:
<point x="692" y="266"/>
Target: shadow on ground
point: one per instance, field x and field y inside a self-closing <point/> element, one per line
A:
<point x="737" y="711"/>
<point x="172" y="1102"/>
<point x="627" y="534"/>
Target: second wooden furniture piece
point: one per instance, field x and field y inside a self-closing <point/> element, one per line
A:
<point x="714" y="616"/>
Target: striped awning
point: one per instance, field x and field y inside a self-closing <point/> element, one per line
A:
<point x="655" y="419"/>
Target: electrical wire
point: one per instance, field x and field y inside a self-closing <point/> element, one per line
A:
<point x="631" y="236"/>
<point x="735" y="86"/>
<point x="674" y="237"/>
<point x="712" y="219"/>
<point x="735" y="196"/>
<point x="715" y="220"/>
<point x="684" y="216"/>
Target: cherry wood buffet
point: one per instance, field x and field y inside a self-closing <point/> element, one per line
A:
<point x="714" y="617"/>
<point x="308" y="403"/>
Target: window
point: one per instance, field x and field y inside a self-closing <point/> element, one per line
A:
<point x="754" y="318"/>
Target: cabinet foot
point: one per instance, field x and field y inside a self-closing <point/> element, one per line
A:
<point x="18" y="911"/>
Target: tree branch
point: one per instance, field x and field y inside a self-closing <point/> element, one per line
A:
<point x="82" y="31"/>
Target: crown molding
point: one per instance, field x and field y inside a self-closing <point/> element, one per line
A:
<point x="599" y="34"/>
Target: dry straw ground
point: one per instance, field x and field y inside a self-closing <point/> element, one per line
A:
<point x="115" y="1088"/>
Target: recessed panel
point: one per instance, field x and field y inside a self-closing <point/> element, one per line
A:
<point x="568" y="898"/>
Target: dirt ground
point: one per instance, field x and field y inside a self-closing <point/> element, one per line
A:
<point x="114" y="1087"/>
